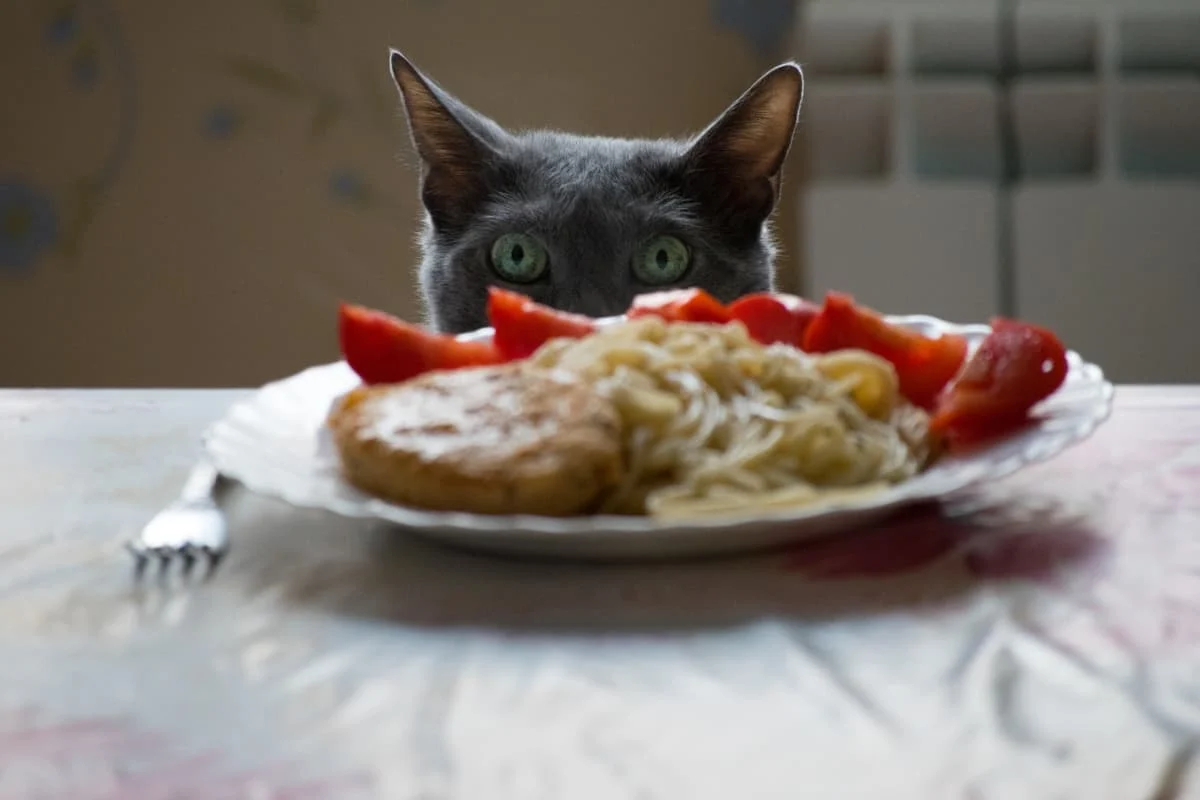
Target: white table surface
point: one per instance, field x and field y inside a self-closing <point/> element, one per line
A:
<point x="1045" y="644"/>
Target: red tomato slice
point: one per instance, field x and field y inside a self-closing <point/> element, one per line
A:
<point x="383" y="349"/>
<point x="680" y="305"/>
<point x="924" y="366"/>
<point x="1016" y="366"/>
<point x="931" y="367"/>
<point x="772" y="318"/>
<point x="522" y="326"/>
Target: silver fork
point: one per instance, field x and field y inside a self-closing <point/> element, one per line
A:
<point x="189" y="530"/>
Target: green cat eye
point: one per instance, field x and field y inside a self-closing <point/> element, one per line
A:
<point x="519" y="258"/>
<point x="664" y="259"/>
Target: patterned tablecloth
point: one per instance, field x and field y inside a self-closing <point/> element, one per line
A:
<point x="1037" y="639"/>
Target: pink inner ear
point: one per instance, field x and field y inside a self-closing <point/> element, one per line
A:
<point x="756" y="132"/>
<point x="760" y="139"/>
<point x="441" y="140"/>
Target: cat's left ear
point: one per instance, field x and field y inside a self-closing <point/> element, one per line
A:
<point x="455" y="144"/>
<point x="734" y="166"/>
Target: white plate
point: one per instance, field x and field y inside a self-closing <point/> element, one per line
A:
<point x="275" y="444"/>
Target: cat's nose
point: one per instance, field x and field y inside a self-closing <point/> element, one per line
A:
<point x="594" y="302"/>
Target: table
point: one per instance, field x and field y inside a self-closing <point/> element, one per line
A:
<point x="1039" y="638"/>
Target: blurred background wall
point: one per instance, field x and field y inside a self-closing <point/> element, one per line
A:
<point x="1037" y="158"/>
<point x="187" y="189"/>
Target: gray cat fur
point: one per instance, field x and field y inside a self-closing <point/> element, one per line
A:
<point x="592" y="201"/>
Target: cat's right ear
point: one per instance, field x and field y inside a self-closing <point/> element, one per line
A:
<point x="734" y="167"/>
<point x="453" y="142"/>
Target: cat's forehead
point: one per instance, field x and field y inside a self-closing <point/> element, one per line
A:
<point x="549" y="160"/>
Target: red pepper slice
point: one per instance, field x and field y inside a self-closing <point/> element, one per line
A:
<point x="772" y="318"/>
<point x="522" y="326"/>
<point x="1016" y="366"/>
<point x="924" y="366"/>
<point x="383" y="349"/>
<point x="680" y="305"/>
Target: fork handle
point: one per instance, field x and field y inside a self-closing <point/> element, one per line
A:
<point x="201" y="484"/>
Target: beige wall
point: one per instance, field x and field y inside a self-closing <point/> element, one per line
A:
<point x="219" y="135"/>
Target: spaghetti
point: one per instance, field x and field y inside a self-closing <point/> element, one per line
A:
<point x="717" y="424"/>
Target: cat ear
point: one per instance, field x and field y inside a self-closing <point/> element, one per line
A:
<point x="734" y="166"/>
<point x="455" y="145"/>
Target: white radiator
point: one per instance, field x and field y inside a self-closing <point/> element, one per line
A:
<point x="1038" y="158"/>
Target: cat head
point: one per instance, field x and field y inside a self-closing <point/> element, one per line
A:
<point x="586" y="223"/>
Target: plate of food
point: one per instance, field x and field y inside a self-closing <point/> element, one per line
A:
<point x="684" y="427"/>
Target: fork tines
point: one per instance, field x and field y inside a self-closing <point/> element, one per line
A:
<point x="186" y="556"/>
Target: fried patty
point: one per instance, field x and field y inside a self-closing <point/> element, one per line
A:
<point x="508" y="439"/>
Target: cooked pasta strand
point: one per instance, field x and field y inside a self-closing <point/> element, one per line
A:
<point x="716" y="423"/>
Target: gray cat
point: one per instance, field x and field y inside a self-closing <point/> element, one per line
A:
<point x="586" y="223"/>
